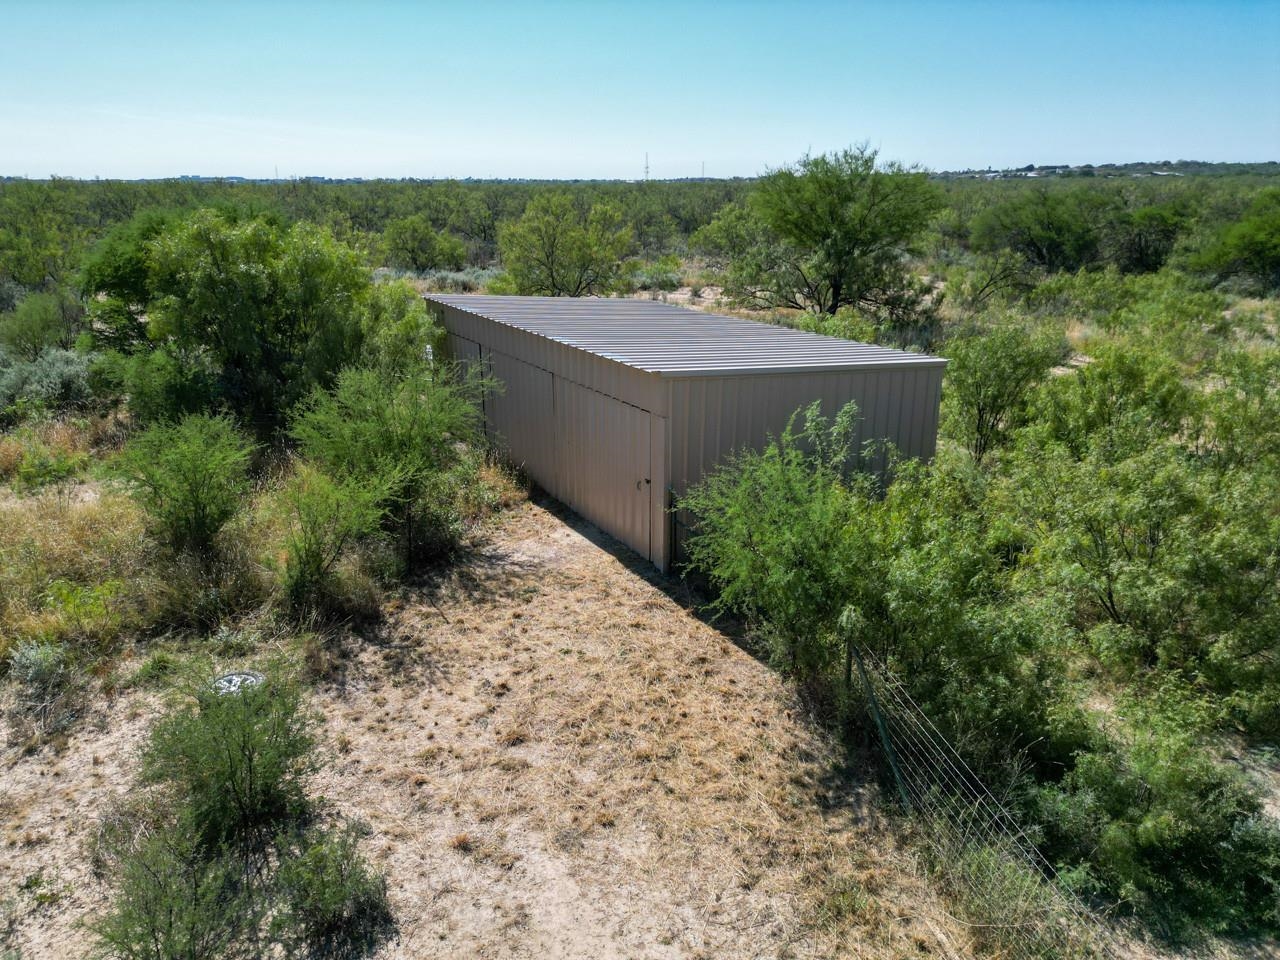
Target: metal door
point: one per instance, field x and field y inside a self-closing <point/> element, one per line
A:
<point x="604" y="471"/>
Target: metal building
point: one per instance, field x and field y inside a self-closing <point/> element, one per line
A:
<point x="615" y="407"/>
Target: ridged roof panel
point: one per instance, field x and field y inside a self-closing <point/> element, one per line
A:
<point x="677" y="342"/>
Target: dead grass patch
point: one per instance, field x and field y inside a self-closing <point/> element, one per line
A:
<point x="568" y="753"/>
<point x="552" y="758"/>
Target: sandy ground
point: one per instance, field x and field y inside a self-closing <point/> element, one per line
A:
<point x="554" y="758"/>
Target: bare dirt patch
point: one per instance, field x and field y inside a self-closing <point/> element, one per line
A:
<point x="554" y="758"/>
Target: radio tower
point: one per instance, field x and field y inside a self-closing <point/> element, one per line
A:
<point x="646" y="164"/>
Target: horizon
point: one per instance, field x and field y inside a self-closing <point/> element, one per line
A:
<point x="296" y="91"/>
<point x="301" y="178"/>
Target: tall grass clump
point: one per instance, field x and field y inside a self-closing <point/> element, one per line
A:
<point x="190" y="477"/>
<point x="73" y="570"/>
<point x="45" y="684"/>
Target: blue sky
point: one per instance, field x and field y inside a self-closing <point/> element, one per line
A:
<point x="581" y="89"/>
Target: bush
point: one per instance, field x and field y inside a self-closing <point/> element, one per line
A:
<point x="412" y="244"/>
<point x="55" y="381"/>
<point x="555" y="249"/>
<point x="40" y="322"/>
<point x="176" y="904"/>
<point x="1051" y="228"/>
<point x="333" y="904"/>
<point x="1248" y="248"/>
<point x="662" y="274"/>
<point x="399" y="333"/>
<point x="1128" y="396"/>
<point x="190" y="477"/>
<point x="325" y="516"/>
<point x="989" y="382"/>
<point x="769" y="533"/>
<point x="162" y="385"/>
<point x="220" y="858"/>
<point x="1157" y="823"/>
<point x="401" y="436"/>
<point x="236" y="763"/>
<point x="277" y="311"/>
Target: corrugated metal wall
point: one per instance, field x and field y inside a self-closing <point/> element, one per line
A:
<point x="601" y="456"/>
<point x="604" y="449"/>
<point x="711" y="417"/>
<point x="590" y="430"/>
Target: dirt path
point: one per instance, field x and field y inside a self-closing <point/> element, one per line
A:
<point x="554" y="759"/>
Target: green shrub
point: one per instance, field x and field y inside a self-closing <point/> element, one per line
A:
<point x="220" y="858"/>
<point x="236" y="763"/>
<point x="556" y="249"/>
<point x="989" y="381"/>
<point x="190" y="477"/>
<point x="1126" y="397"/>
<point x="333" y="904"/>
<point x="276" y="310"/>
<point x="1154" y="821"/>
<point x="769" y="531"/>
<point x="175" y="903"/>
<point x="662" y="274"/>
<point x="401" y="436"/>
<point x="1053" y="228"/>
<point x="1165" y="566"/>
<point x="325" y="517"/>
<point x="412" y="244"/>
<point x="399" y="332"/>
<point x="55" y="381"/>
<point x="42" y="321"/>
<point x="1248" y="247"/>
<point x="162" y="385"/>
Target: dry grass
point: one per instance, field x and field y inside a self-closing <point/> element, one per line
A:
<point x="51" y="449"/>
<point x="74" y="564"/>
<point x="554" y="759"/>
<point x="77" y="566"/>
<point x="557" y="759"/>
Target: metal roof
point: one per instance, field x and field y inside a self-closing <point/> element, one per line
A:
<point x="677" y="342"/>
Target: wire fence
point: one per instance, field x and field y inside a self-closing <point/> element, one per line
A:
<point x="1011" y="901"/>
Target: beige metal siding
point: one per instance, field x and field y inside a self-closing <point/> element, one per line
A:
<point x="591" y="429"/>
<point x="712" y="417"/>
<point x="461" y="350"/>
<point x="586" y="447"/>
<point x="520" y="416"/>
<point x="604" y="456"/>
<point x="660" y="521"/>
